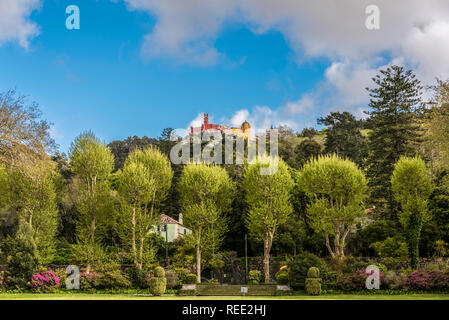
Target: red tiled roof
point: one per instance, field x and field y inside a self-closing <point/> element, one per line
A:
<point x="168" y="220"/>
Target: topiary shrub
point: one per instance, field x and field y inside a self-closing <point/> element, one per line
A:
<point x="313" y="272"/>
<point x="299" y="266"/>
<point x="190" y="278"/>
<point x="172" y="279"/>
<point x="254" y="277"/>
<point x="282" y="277"/>
<point x="313" y="282"/>
<point x="157" y="283"/>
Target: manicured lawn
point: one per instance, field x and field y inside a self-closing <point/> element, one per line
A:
<point x="84" y="296"/>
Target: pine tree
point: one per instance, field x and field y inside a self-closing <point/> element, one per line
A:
<point x="395" y="104"/>
<point x="344" y="136"/>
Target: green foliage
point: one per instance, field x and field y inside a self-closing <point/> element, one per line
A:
<point x="344" y="136"/>
<point x="299" y="266"/>
<point x="216" y="263"/>
<point x="336" y="188"/>
<point x="63" y="253"/>
<point x="382" y="268"/>
<point x="172" y="279"/>
<point x="181" y="274"/>
<point x="90" y="159"/>
<point x="255" y="277"/>
<point x="436" y="131"/>
<point x="92" y="163"/>
<point x="159" y="272"/>
<point x="391" y="247"/>
<point x="395" y="280"/>
<point x="313" y="282"/>
<point x="412" y="187"/>
<point x="62" y="276"/>
<point x="21" y="257"/>
<point x="137" y="277"/>
<point x="313" y="272"/>
<point x="142" y="184"/>
<point x="441" y="248"/>
<point x="109" y="276"/>
<point x="268" y="199"/>
<point x="33" y="197"/>
<point x="24" y="135"/>
<point x="157" y="283"/>
<point x="377" y="231"/>
<point x="190" y="278"/>
<point x="395" y="102"/>
<point x="206" y="194"/>
<point x="282" y="277"/>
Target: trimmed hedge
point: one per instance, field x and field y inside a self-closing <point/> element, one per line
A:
<point x="158" y="283"/>
<point x="235" y="290"/>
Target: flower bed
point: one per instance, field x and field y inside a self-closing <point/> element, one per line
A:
<point x="44" y="282"/>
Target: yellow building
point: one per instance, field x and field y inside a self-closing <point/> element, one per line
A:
<point x="244" y="130"/>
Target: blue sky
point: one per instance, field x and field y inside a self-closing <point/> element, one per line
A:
<point x="138" y="66"/>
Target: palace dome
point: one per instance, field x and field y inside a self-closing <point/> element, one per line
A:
<point x="245" y="126"/>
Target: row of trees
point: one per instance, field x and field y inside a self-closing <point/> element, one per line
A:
<point x="106" y="199"/>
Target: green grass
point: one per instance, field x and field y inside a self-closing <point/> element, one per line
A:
<point x="86" y="296"/>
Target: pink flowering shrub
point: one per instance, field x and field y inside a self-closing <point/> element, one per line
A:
<point x="355" y="281"/>
<point x="87" y="280"/>
<point x="425" y="280"/>
<point x="45" y="281"/>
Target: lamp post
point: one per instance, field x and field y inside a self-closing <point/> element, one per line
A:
<point x="167" y="261"/>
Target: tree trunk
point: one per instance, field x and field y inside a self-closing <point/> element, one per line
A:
<point x="140" y="263"/>
<point x="326" y="236"/>
<point x="266" y="256"/>
<point x="133" y="221"/>
<point x="198" y="257"/>
<point x="413" y="235"/>
<point x="198" y="263"/>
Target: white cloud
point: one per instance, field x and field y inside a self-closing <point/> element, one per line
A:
<point x="14" y="21"/>
<point x="197" y="122"/>
<point x="413" y="33"/>
<point x="239" y="117"/>
<point x="332" y="29"/>
<point x="303" y="105"/>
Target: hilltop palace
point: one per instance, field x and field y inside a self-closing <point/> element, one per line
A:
<point x="244" y="130"/>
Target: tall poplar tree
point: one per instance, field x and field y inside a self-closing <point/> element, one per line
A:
<point x="143" y="184"/>
<point x="395" y="103"/>
<point x="268" y="199"/>
<point x="33" y="197"/>
<point x="206" y="194"/>
<point x="412" y="186"/>
<point x="92" y="162"/>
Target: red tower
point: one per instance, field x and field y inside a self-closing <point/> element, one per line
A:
<point x="205" y="126"/>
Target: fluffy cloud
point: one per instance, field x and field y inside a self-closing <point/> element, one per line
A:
<point x="328" y="28"/>
<point x="414" y="33"/>
<point x="14" y="21"/>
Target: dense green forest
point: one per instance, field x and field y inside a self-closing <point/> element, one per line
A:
<point x="95" y="206"/>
